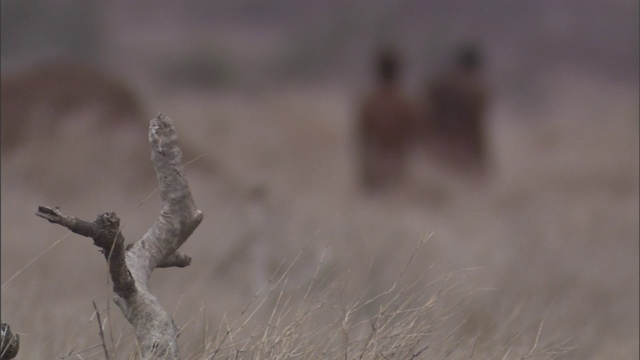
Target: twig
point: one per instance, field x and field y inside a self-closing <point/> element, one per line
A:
<point x="104" y="345"/>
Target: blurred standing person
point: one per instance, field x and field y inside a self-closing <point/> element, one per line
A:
<point x="384" y="126"/>
<point x="454" y="126"/>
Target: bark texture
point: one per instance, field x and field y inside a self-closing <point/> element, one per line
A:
<point x="130" y="267"/>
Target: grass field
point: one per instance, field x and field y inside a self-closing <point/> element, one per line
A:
<point x="545" y="254"/>
<point x="292" y="260"/>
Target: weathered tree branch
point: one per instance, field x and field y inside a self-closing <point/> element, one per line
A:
<point x="176" y="259"/>
<point x="131" y="267"/>
<point x="105" y="234"/>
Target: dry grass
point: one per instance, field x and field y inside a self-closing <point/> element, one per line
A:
<point x="550" y="244"/>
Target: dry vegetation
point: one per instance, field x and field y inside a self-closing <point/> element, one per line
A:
<point x="546" y="253"/>
<point x="293" y="261"/>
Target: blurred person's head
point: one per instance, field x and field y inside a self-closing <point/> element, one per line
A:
<point x="387" y="66"/>
<point x="468" y="57"/>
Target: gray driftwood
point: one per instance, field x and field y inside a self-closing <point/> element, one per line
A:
<point x="130" y="267"/>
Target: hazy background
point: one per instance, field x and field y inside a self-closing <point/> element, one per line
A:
<point x="269" y="90"/>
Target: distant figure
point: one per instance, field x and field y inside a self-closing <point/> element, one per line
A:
<point x="384" y="126"/>
<point x="454" y="126"/>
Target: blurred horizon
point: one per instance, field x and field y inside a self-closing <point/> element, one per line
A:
<point x="257" y="41"/>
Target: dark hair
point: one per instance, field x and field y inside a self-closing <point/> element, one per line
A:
<point x="468" y="56"/>
<point x="387" y="65"/>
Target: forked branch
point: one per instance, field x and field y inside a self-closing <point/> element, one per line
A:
<point x="130" y="267"/>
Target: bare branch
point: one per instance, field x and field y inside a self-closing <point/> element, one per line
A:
<point x="105" y="234"/>
<point x="55" y="216"/>
<point x="176" y="259"/>
<point x="131" y="268"/>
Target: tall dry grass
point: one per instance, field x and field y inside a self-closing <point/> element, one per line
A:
<point x="551" y="242"/>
